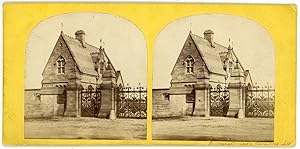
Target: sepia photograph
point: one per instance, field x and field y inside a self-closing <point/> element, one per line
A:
<point x="213" y="80"/>
<point x="149" y="74"/>
<point x="81" y="79"/>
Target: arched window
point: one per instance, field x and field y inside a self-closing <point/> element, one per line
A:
<point x="61" y="65"/>
<point x="189" y="64"/>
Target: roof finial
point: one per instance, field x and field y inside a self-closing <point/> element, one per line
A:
<point x="101" y="45"/>
<point x="61" y="27"/>
<point x="190" y="27"/>
<point x="229" y="46"/>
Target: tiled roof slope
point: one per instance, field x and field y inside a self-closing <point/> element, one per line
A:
<point x="82" y="56"/>
<point x="210" y="54"/>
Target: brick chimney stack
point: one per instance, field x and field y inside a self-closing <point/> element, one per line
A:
<point x="209" y="36"/>
<point x="80" y="36"/>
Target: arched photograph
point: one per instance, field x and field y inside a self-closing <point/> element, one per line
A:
<point x="213" y="80"/>
<point x="86" y="78"/>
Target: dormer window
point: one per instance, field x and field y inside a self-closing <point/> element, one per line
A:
<point x="189" y="64"/>
<point x="61" y="65"/>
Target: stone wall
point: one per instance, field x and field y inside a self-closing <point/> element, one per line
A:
<point x="36" y="105"/>
<point x="31" y="103"/>
<point x="178" y="105"/>
<point x="160" y="104"/>
<point x="164" y="106"/>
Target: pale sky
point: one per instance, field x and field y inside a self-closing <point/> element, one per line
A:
<point x="124" y="43"/>
<point x="251" y="42"/>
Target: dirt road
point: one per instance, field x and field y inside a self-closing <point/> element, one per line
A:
<point x="86" y="128"/>
<point x="214" y="129"/>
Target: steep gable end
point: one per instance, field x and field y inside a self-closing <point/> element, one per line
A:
<point x="50" y="72"/>
<point x="179" y="72"/>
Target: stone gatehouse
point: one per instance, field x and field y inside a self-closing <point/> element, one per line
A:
<point x="201" y="66"/>
<point x="72" y="66"/>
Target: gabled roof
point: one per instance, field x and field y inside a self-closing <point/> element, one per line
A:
<point x="209" y="54"/>
<point x="82" y="56"/>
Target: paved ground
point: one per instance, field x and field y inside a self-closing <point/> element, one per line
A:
<point x="214" y="129"/>
<point x="86" y="128"/>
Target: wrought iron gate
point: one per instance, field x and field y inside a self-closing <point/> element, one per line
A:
<point x="90" y="102"/>
<point x="219" y="101"/>
<point x="260" y="102"/>
<point x="132" y="102"/>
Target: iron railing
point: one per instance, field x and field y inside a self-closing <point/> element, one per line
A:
<point x="90" y="101"/>
<point x="260" y="102"/>
<point x="132" y="102"/>
<point x="219" y="101"/>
